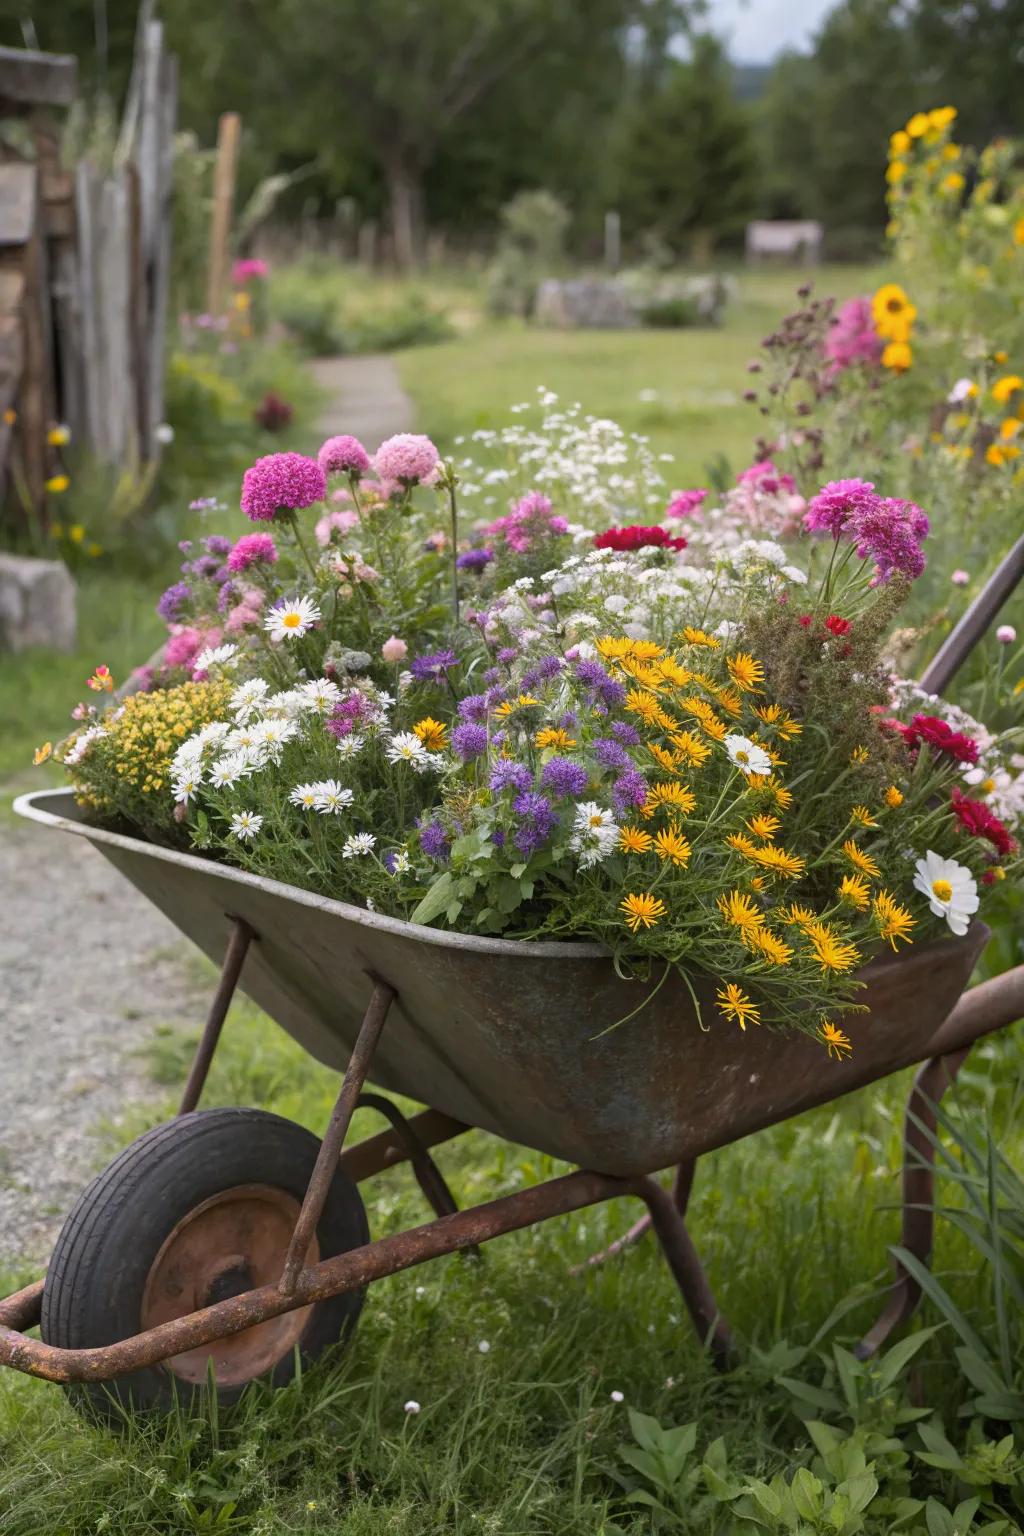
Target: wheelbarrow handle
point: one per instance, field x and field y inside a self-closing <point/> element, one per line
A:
<point x="956" y="648"/>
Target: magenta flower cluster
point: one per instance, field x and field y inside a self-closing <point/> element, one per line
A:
<point x="410" y="458"/>
<point x="531" y="519"/>
<point x="252" y="549"/>
<point x="685" y="503"/>
<point x="343" y="455"/>
<point x="882" y="528"/>
<point x="764" y="476"/>
<point x="280" y="483"/>
<point x="853" y="338"/>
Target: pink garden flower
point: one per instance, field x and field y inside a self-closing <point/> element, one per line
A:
<point x="684" y="503"/>
<point x="763" y="476"/>
<point x="335" y="522"/>
<point x="248" y="269"/>
<point x="343" y="455"/>
<point x="853" y="338"/>
<point x="394" y="649"/>
<point x="530" y="519"/>
<point x="409" y="458"/>
<point x="281" y="483"/>
<point x="252" y="549"/>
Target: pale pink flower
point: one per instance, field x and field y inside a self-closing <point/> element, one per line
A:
<point x="960" y="578"/>
<point x="335" y="522"/>
<point x="394" y="649"/>
<point x="1006" y="634"/>
<point x="408" y="457"/>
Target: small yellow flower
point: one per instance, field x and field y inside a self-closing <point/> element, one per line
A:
<point x="767" y="946"/>
<point x="1010" y="427"/>
<point x="242" y="301"/>
<point x="893" y="797"/>
<point x="951" y="152"/>
<point x="832" y="952"/>
<point x="1003" y="389"/>
<point x="797" y="915"/>
<point x="41" y="754"/>
<point x="742" y="843"/>
<point x="897" y="356"/>
<point x="860" y="860"/>
<point x="735" y="1004"/>
<point x="835" y="1041"/>
<point x="673" y="797"/>
<point x="10" y="417"/>
<point x="57" y="484"/>
<point x="76" y="533"/>
<point x="524" y="701"/>
<point x="899" y="142"/>
<point x="634" y="840"/>
<point x="672" y="845"/>
<point x="764" y="827"/>
<point x="432" y="733"/>
<point x="862" y="817"/>
<point x="941" y="117"/>
<point x="690" y="749"/>
<point x="643" y="703"/>
<point x="999" y="356"/>
<point x="855" y="892"/>
<point x="895" y="171"/>
<point x="548" y="737"/>
<point x="892" y="312"/>
<point x="953" y="182"/>
<point x="1018" y="232"/>
<point x="745" y="672"/>
<point x="859" y="755"/>
<point x="740" y="911"/>
<point x="57" y="437"/>
<point x="642" y="911"/>
<point x="995" y="455"/>
<point x="700" y="636"/>
<point x="94" y="551"/>
<point x="894" y="922"/>
<point x="611" y="646"/>
<point x="778" y="861"/>
<point x="647" y="650"/>
<point x="918" y="125"/>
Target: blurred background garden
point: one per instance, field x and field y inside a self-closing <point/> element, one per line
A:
<point x="743" y="233"/>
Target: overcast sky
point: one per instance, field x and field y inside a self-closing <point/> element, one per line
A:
<point x="756" y="30"/>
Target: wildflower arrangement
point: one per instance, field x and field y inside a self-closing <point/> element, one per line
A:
<point x="671" y="739"/>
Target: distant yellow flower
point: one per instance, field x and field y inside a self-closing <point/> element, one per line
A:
<point x="893" y="797"/>
<point x="1018" y="232"/>
<point x="550" y="736"/>
<point x="432" y="733"/>
<point x="941" y="117"/>
<point x="994" y="454"/>
<point x="774" y="714"/>
<point x="952" y="183"/>
<point x="855" y="892"/>
<point x="895" y="171"/>
<point x="57" y="484"/>
<point x="897" y="356"/>
<point x="832" y="952"/>
<point x="918" y="125"/>
<point x="76" y="533"/>
<point x="740" y="911"/>
<point x="642" y="911"/>
<point x="835" y="1041"/>
<point x="524" y="701"/>
<point x="951" y="152"/>
<point x="242" y="301"/>
<point x="647" y="650"/>
<point x="58" y="436"/>
<point x="700" y="636"/>
<point x="735" y="1004"/>
<point x="862" y="817"/>
<point x="778" y="861"/>
<point x="764" y="826"/>
<point x="94" y="551"/>
<point x="672" y="845"/>
<point x="633" y="840"/>
<point x="1010" y="427"/>
<point x="899" y="142"/>
<point x="767" y="945"/>
<point x="10" y="417"/>
<point x="860" y="860"/>
<point x="892" y="312"/>
<point x="1007" y="386"/>
<point x="673" y="797"/>
<point x="859" y="755"/>
<point x="745" y="672"/>
<point x="42" y="753"/>
<point x="1000" y="356"/>
<point x="894" y="922"/>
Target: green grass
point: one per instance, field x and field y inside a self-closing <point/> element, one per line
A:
<point x="698" y="374"/>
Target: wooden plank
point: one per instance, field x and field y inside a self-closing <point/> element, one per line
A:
<point x="118" y="441"/>
<point x="228" y="134"/>
<point x="33" y="79"/>
<point x="85" y="213"/>
<point x="19" y="196"/>
<point x="160" y="275"/>
<point x="68" y="329"/>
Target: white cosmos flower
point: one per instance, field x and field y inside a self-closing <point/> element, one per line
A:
<point x="595" y="833"/>
<point x="245" y="824"/>
<point x="291" y="619"/>
<point x="951" y="889"/>
<point x="214" y="656"/>
<point x="359" y="843"/>
<point x="331" y="797"/>
<point x="305" y="796"/>
<point x="406" y="747"/>
<point x="247" y="696"/>
<point x="320" y="694"/>
<point x="748" y="756"/>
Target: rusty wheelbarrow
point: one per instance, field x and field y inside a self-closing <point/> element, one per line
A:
<point x="231" y="1239"/>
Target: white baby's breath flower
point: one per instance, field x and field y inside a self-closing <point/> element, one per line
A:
<point x="358" y="844"/>
<point x="245" y="825"/>
<point x="951" y="889"/>
<point x="331" y="797"/>
<point x="290" y="619"/>
<point x="406" y="747"/>
<point x="214" y="656"/>
<point x="748" y="756"/>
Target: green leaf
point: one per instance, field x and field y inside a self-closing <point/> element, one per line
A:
<point x="939" y="1520"/>
<point x="435" y="901"/>
<point x="895" y="1360"/>
<point x="806" y="1492"/>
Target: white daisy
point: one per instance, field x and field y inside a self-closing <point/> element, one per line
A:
<point x="291" y="620"/>
<point x="595" y="833"/>
<point x="320" y="694"/>
<point x="331" y="797"/>
<point x="272" y="735"/>
<point x="284" y="705"/>
<point x="748" y="756"/>
<point x="213" y="732"/>
<point x="214" y="656"/>
<point x="349" y="746"/>
<point x="951" y="889"/>
<point x="245" y="824"/>
<point x="247" y="696"/>
<point x="305" y="796"/>
<point x="186" y="787"/>
<point x="227" y="771"/>
<point x="83" y="743"/>
<point x="359" y="843"/>
<point x="406" y="747"/>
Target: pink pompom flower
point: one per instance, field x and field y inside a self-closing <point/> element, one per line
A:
<point x="853" y="338"/>
<point x="248" y="269"/>
<point x="408" y="457"/>
<point x="394" y="649"/>
<point x="343" y="455"/>
<point x="252" y="549"/>
<point x="280" y="484"/>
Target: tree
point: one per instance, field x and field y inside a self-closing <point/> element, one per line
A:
<point x="687" y="163"/>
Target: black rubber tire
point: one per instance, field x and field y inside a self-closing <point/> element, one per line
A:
<point x="107" y="1246"/>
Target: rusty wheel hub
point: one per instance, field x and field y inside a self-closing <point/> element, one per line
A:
<point x="231" y="1243"/>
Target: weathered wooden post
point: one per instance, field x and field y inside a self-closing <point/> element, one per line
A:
<point x="612" y="240"/>
<point x="225" y="172"/>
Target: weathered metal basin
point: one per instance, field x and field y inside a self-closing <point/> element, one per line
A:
<point x="502" y="1034"/>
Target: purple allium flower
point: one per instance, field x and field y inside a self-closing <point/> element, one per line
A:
<point x="627" y="734"/>
<point x="545" y="669"/>
<point x="538" y="819"/>
<point x="474" y="559"/>
<point x="281" y="483"/>
<point x="569" y="720"/>
<point x="473" y="707"/>
<point x="217" y="544"/>
<point x="629" y="789"/>
<point x="835" y="503"/>
<point x="601" y="684"/>
<point x="509" y="775"/>
<point x="345" y="455"/>
<point x="889" y="531"/>
<point x="435" y="666"/>
<point x="610" y="754"/>
<point x="409" y="457"/>
<point x="564" y="777"/>
<point x="469" y="740"/>
<point x="498" y="838"/>
<point x="492" y="677"/>
<point x="172" y="601"/>
<point x="434" y="840"/>
<point x="252" y="549"/>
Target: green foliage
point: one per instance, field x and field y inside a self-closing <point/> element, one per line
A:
<point x="531" y="247"/>
<point x="329" y="313"/>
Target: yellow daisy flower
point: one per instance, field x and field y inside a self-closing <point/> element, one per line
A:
<point x="730" y="701"/>
<point x="672" y="797"/>
<point x="612" y="646"/>
<point x="524" y="701"/>
<point x="672" y="845"/>
<point x="548" y="737"/>
<point x="894" y="922"/>
<point x="745" y="672"/>
<point x="742" y="844"/>
<point x="764" y="827"/>
<point x="862" y="817"/>
<point x="633" y="840"/>
<point x="832" y="952"/>
<point x="767" y="946"/>
<point x="893" y="797"/>
<point x="663" y="758"/>
<point x="854" y="891"/>
<point x="796" y="915"/>
<point x="690" y="749"/>
<point x="835" y="1041"/>
<point x="432" y="734"/>
<point x="859" y="755"/>
<point x="700" y="637"/>
<point x="740" y="911"/>
<point x="1003" y="389"/>
<point x="779" y="862"/>
<point x="735" y="1004"/>
<point x="860" y="860"/>
<point x="642" y="911"/>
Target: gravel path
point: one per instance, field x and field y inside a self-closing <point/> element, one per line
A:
<point x="88" y="969"/>
<point x="367" y="398"/>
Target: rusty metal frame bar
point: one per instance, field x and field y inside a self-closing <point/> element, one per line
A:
<point x="234" y="958"/>
<point x="428" y="1175"/>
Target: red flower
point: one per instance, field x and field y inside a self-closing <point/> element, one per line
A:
<point x="805" y="621"/>
<point x="637" y="537"/>
<point x="837" y="626"/>
<point x="976" y="818"/>
<point x="936" y="734"/>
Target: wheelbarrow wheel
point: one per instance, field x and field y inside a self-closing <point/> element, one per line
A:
<point x="193" y="1212"/>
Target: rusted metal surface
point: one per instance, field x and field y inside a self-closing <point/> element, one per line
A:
<point x="677" y="1245"/>
<point x="960" y="643"/>
<point x="503" y="1035"/>
<point x="376" y="1153"/>
<point x="230" y="1244"/>
<point x="682" y="1186"/>
<point x="21" y="1310"/>
<point x="238" y="947"/>
<point x="428" y="1175"/>
<point x="334" y="1137"/>
<point x="930" y="1084"/>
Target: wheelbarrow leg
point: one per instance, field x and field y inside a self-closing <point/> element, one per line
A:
<point x="684" y="1262"/>
<point x="682" y="1184"/>
<point x="234" y="958"/>
<point x="428" y="1175"/>
<point x="930" y="1084"/>
<point x="330" y="1148"/>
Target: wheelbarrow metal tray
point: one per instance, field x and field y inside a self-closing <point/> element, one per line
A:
<point x="509" y="1036"/>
